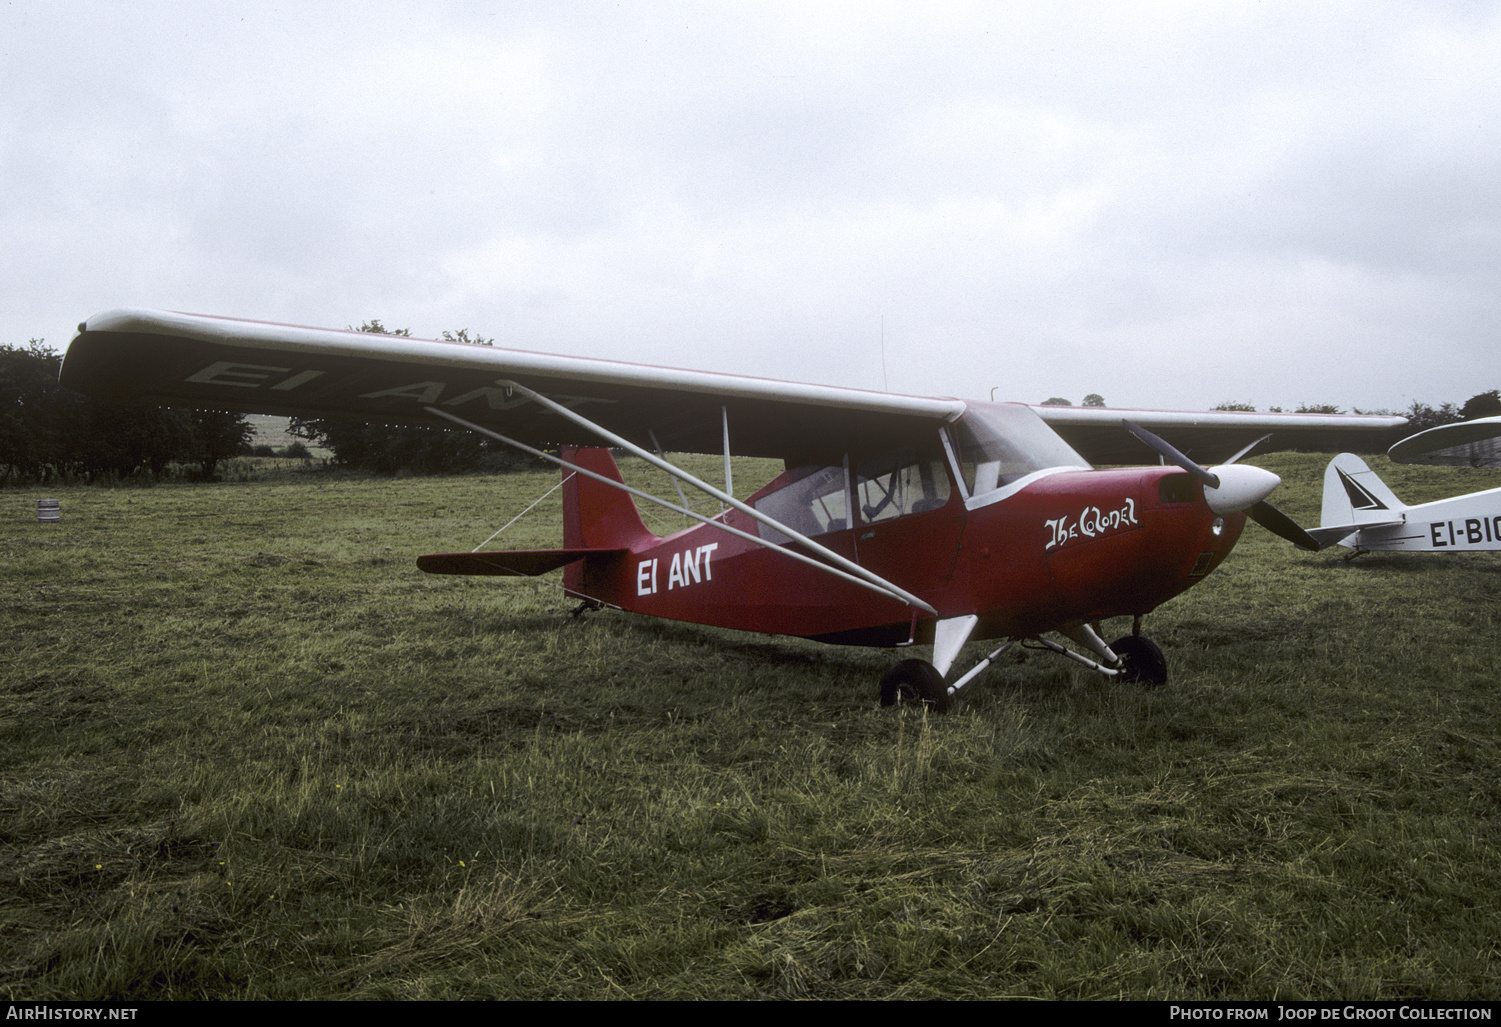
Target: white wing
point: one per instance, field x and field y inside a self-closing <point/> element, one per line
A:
<point x="1211" y="436"/>
<point x="202" y="361"/>
<point x="194" y="360"/>
<point x="1410" y="449"/>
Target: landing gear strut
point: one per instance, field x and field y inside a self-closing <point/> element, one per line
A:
<point x="1131" y="659"/>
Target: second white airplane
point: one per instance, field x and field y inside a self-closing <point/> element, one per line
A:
<point x="1362" y="513"/>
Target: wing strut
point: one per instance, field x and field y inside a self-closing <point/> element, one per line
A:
<point x="729" y="484"/>
<point x="862" y="577"/>
<point x="675" y="483"/>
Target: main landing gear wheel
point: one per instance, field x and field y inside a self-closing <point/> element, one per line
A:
<point x="914" y="682"/>
<point x="1143" y="662"/>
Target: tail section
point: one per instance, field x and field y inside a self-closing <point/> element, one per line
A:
<point x="596" y="516"/>
<point x="1354" y="498"/>
<point x="1354" y="495"/>
<point x="600" y="525"/>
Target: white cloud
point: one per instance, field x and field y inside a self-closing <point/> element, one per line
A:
<point x="1166" y="203"/>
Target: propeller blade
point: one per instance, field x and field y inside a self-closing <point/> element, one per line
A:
<point x="1165" y="449"/>
<point x="1229" y="487"/>
<point x="1278" y="523"/>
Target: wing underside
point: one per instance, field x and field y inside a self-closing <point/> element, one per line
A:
<point x="206" y="362"/>
<point x="1214" y="435"/>
<point x="218" y="363"/>
<point x="1429" y="446"/>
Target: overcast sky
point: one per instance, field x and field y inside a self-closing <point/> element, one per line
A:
<point x="1170" y="204"/>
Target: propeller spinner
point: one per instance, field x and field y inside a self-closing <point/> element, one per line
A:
<point x="1232" y="487"/>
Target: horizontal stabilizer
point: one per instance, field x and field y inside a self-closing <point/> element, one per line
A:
<point x="516" y="563"/>
<point x="1334" y="534"/>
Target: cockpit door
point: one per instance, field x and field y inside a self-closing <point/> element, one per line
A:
<point x="909" y="515"/>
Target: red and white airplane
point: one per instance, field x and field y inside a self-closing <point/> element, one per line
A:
<point x="898" y="520"/>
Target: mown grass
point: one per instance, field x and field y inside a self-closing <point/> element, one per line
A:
<point x="250" y="752"/>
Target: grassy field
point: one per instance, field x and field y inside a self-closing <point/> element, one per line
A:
<point x="251" y="752"/>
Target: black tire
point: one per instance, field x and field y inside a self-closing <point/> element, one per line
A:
<point x="1144" y="662"/>
<point x="914" y="682"/>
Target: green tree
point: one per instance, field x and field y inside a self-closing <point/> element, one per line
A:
<point x="39" y="419"/>
<point x="1421" y="417"/>
<point x="215" y="436"/>
<point x="1094" y="399"/>
<point x="47" y="431"/>
<point x="1486" y="404"/>
<point x="1056" y="401"/>
<point x="1233" y="405"/>
<point x="124" y="439"/>
<point x="463" y="336"/>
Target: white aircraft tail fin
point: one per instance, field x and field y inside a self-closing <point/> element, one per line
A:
<point x="1354" y="497"/>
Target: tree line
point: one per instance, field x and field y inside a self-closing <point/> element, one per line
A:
<point x="51" y="433"/>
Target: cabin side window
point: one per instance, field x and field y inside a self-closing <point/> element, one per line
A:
<point x="809" y="500"/>
<point x="888" y="484"/>
<point x="898" y="482"/>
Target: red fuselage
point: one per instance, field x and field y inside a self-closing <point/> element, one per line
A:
<point x="1066" y="546"/>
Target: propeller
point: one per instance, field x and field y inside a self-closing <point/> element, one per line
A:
<point x="1232" y="487"/>
<point x="1281" y="525"/>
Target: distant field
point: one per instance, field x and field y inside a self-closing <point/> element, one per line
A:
<point x="249" y="751"/>
<point x="271" y="430"/>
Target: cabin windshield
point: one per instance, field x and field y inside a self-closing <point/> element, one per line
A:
<point x="998" y="443"/>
